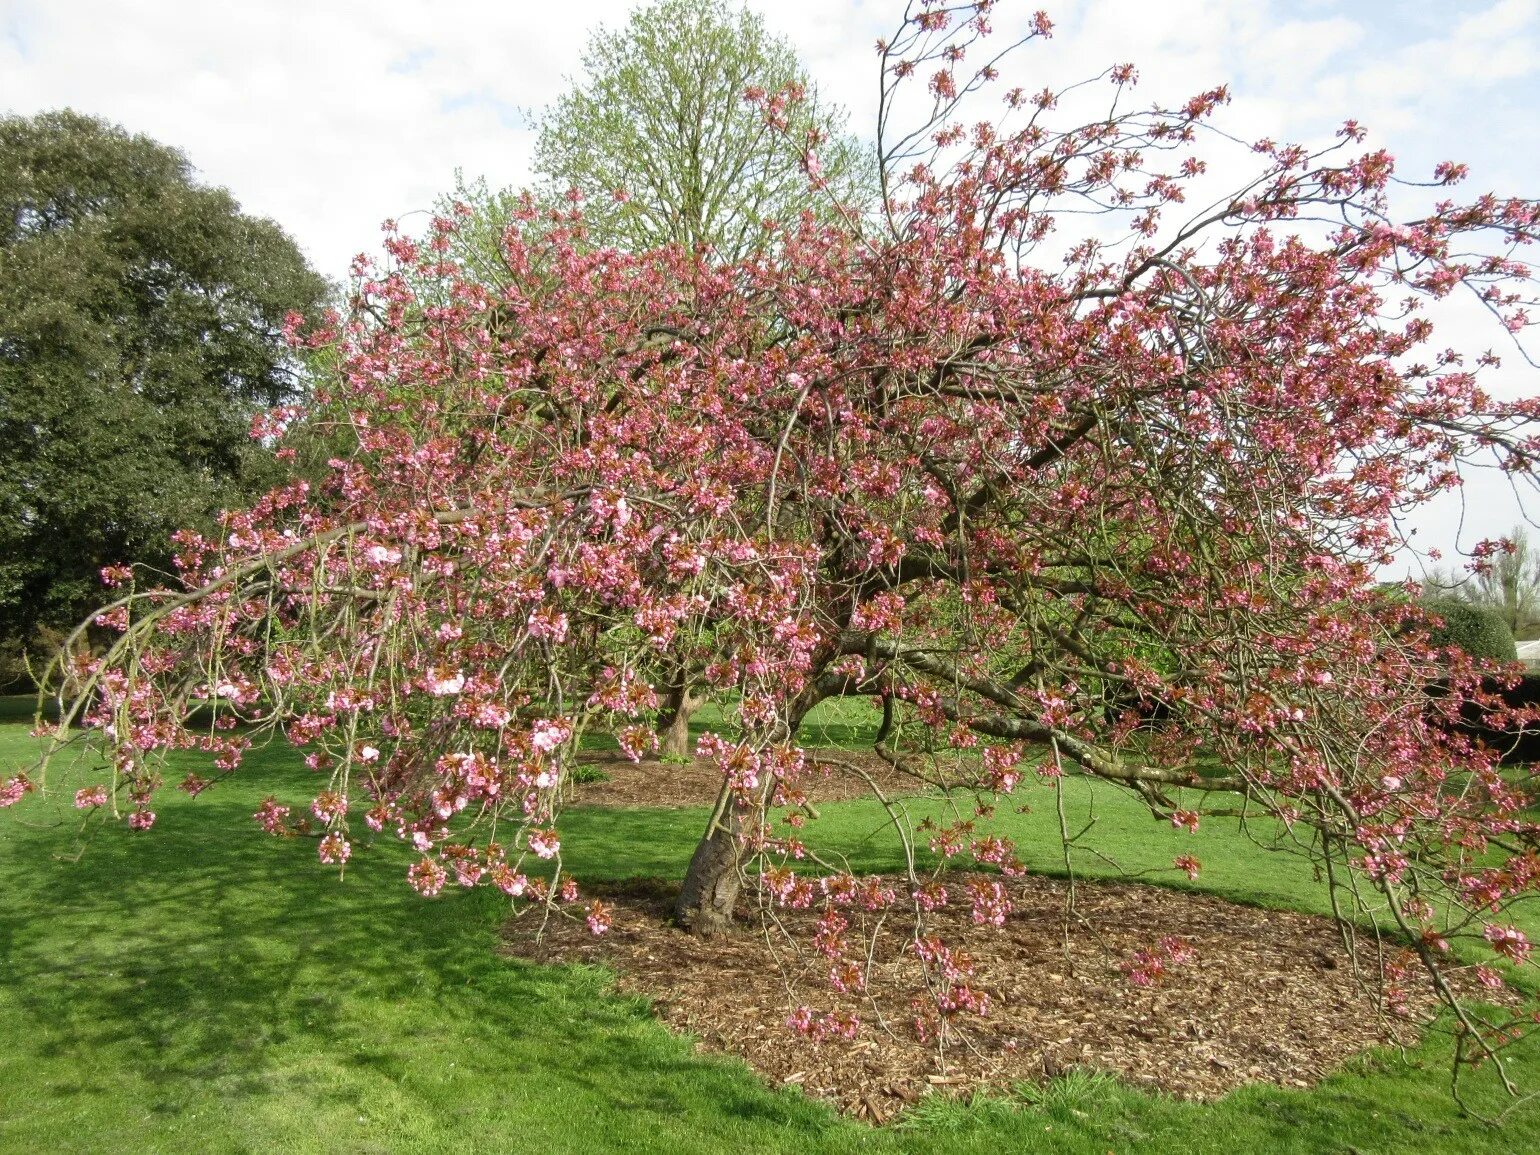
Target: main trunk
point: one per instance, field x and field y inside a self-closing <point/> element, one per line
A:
<point x="711" y="884"/>
<point x="709" y="894"/>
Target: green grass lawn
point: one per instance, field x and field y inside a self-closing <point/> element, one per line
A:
<point x="205" y="988"/>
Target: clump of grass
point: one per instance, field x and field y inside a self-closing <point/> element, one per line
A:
<point x="1073" y="1097"/>
<point x="1076" y="1093"/>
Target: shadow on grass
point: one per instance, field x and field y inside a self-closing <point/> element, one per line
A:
<point x="22" y="708"/>
<point x="202" y="958"/>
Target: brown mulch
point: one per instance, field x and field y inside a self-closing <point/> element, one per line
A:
<point x="1270" y="998"/>
<point x="652" y="782"/>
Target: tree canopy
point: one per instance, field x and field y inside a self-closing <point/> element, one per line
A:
<point x="660" y="142"/>
<point x="141" y="329"/>
<point x="1024" y="502"/>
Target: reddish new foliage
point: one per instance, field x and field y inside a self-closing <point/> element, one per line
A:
<point x="1114" y="507"/>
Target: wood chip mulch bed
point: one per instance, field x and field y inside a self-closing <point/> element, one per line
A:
<point x="1270" y="998"/>
<point x="652" y="782"/>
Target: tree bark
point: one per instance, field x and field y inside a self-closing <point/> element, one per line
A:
<point x="709" y="894"/>
<point x="711" y="884"/>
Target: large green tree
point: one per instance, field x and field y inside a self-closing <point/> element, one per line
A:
<point x="659" y="117"/>
<point x="141" y="327"/>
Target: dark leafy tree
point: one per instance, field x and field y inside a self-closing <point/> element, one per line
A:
<point x="141" y="328"/>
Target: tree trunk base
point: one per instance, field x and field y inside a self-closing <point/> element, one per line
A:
<point x="710" y="890"/>
<point x="674" y="740"/>
<point x="712" y="883"/>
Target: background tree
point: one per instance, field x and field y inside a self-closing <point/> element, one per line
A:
<point x="1507" y="581"/>
<point x="141" y="327"/>
<point x="657" y="137"/>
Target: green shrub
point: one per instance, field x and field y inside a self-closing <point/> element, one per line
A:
<point x="1478" y="630"/>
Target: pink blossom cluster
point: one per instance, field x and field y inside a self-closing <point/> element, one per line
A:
<point x="1147" y="967"/>
<point x="833" y="1025"/>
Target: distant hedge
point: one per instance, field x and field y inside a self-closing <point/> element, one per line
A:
<point x="1478" y="630"/>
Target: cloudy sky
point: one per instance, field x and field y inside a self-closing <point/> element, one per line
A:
<point x="331" y="116"/>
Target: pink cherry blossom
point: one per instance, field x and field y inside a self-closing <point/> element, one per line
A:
<point x="1060" y="502"/>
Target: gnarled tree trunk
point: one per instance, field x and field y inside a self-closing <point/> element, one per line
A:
<point x="711" y="884"/>
<point x="709" y="895"/>
<point x="679" y="705"/>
